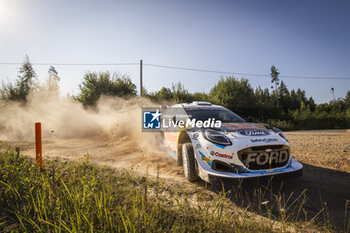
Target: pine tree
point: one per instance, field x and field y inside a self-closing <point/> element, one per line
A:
<point x="25" y="79"/>
<point x="23" y="84"/>
<point x="274" y="76"/>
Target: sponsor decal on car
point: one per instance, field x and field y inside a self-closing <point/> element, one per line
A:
<point x="218" y="154"/>
<point x="240" y="126"/>
<point x="255" y="132"/>
<point x="265" y="140"/>
<point x="206" y="159"/>
<point x="220" y="146"/>
<point x="263" y="158"/>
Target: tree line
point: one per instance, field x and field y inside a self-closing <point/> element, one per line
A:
<point x="278" y="106"/>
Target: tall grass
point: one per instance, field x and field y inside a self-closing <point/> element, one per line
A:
<point x="81" y="197"/>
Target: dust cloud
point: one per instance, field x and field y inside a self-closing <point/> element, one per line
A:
<point x="110" y="132"/>
<point x="65" y="118"/>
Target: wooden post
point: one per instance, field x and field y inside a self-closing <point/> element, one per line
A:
<point x="140" y="77"/>
<point x="38" y="145"/>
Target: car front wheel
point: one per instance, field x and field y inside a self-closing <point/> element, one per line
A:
<point x="189" y="162"/>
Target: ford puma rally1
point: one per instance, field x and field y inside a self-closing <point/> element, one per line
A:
<point x="233" y="149"/>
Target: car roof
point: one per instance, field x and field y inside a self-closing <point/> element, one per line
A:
<point x="197" y="105"/>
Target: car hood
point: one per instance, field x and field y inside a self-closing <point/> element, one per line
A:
<point x="246" y="129"/>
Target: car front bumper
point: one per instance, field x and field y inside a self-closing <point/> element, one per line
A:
<point x="293" y="169"/>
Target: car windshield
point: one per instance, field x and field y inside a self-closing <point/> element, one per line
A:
<point x="224" y="115"/>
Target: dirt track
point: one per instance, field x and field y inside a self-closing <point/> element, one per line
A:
<point x="326" y="158"/>
<point x="323" y="148"/>
<point x="325" y="155"/>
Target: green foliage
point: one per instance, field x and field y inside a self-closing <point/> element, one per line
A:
<point x="177" y="93"/>
<point x="144" y="91"/>
<point x="347" y="99"/>
<point x="290" y="109"/>
<point x="274" y="76"/>
<point x="237" y="95"/>
<point x="96" y="84"/>
<point x="324" y="116"/>
<point x="180" y="94"/>
<point x="164" y="94"/>
<point x="201" y="96"/>
<point x="282" y="108"/>
<point x="24" y="82"/>
<point x="80" y="197"/>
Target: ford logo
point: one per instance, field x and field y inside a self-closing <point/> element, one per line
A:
<point x="256" y="132"/>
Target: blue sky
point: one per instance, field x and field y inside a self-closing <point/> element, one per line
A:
<point x="301" y="37"/>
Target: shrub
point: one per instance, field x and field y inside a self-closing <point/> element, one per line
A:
<point x="95" y="85"/>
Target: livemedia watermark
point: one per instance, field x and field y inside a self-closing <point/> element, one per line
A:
<point x="173" y="120"/>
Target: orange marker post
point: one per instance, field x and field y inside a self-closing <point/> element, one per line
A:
<point x="38" y="146"/>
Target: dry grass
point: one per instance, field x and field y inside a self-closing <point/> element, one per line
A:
<point x="81" y="197"/>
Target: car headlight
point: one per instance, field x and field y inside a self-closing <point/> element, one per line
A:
<point x="216" y="137"/>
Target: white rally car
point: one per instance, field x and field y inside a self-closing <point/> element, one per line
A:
<point x="237" y="149"/>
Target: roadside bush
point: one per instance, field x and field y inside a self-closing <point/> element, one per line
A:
<point x="95" y="85"/>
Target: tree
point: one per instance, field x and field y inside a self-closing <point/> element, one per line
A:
<point x="347" y="99"/>
<point x="96" y="84"/>
<point x="294" y="100"/>
<point x="52" y="83"/>
<point x="312" y="104"/>
<point x="49" y="89"/>
<point x="180" y="94"/>
<point x="164" y="94"/>
<point x="283" y="90"/>
<point x="283" y="97"/>
<point x="300" y="96"/>
<point x="265" y="104"/>
<point x="332" y="91"/>
<point x="274" y="76"/>
<point x="23" y="84"/>
<point x="52" y="70"/>
<point x="235" y="94"/>
<point x="145" y="92"/>
<point x="200" y="96"/>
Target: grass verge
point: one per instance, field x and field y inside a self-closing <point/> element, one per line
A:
<point x="81" y="197"/>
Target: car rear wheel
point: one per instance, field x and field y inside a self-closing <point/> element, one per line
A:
<point x="189" y="162"/>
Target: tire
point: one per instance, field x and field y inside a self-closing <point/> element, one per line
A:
<point x="179" y="156"/>
<point x="189" y="162"/>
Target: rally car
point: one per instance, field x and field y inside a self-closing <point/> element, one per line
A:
<point x="234" y="149"/>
